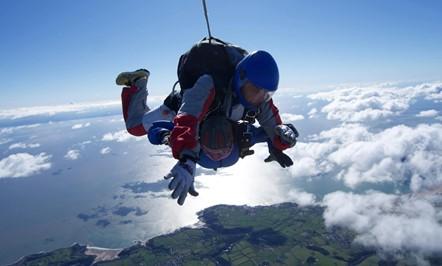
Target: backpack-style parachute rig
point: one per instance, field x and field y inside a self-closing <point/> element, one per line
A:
<point x="209" y="56"/>
<point x="218" y="59"/>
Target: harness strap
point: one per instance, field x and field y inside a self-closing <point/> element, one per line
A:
<point x="244" y="136"/>
<point x="250" y="116"/>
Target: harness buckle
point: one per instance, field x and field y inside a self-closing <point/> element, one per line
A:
<point x="250" y="116"/>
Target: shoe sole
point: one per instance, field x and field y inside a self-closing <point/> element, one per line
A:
<point x="126" y="78"/>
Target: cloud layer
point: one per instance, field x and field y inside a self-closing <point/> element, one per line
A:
<point x="287" y="117"/>
<point x="24" y="164"/>
<point x="120" y="136"/>
<point x="78" y="126"/>
<point x="56" y="109"/>
<point x="396" y="154"/>
<point x="76" y="108"/>
<point x="10" y="130"/>
<point x="391" y="223"/>
<point x="21" y="145"/>
<point x="375" y="102"/>
<point x="428" y="113"/>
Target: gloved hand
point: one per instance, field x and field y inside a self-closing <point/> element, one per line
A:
<point x="277" y="155"/>
<point x="158" y="135"/>
<point x="287" y="133"/>
<point x="182" y="183"/>
<point x="159" y="131"/>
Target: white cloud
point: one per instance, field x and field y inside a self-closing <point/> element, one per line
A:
<point x="120" y="136"/>
<point x="301" y="198"/>
<point x="82" y="145"/>
<point x="24" y="164"/>
<point x="388" y="222"/>
<point x="4" y="141"/>
<point x="114" y="120"/>
<point x="105" y="150"/>
<point x="428" y="113"/>
<point x="359" y="104"/>
<point x="396" y="154"/>
<point x="310" y="158"/>
<point x="430" y="91"/>
<point x="21" y="145"/>
<point x="10" y="130"/>
<point x="312" y="113"/>
<point x="69" y="108"/>
<point x="78" y="126"/>
<point x="306" y="166"/>
<point x="56" y="109"/>
<point x="291" y="117"/>
<point x="72" y="155"/>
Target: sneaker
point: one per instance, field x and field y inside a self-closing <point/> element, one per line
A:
<point x="129" y="78"/>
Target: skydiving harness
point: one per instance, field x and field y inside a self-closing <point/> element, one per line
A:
<point x="244" y="138"/>
<point x="244" y="134"/>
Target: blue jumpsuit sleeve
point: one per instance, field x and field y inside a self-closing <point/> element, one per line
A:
<point x="158" y="130"/>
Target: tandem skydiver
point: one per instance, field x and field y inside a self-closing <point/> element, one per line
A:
<point x="210" y="121"/>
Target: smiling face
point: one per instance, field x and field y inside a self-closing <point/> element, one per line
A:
<point x="217" y="154"/>
<point x="255" y="95"/>
<point x="216" y="137"/>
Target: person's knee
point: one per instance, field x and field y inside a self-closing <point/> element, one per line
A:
<point x="137" y="131"/>
<point x="126" y="97"/>
<point x="162" y="112"/>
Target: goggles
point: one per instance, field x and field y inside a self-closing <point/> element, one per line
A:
<point x="255" y="95"/>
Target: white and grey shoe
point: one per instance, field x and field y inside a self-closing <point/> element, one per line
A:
<point x="129" y="78"/>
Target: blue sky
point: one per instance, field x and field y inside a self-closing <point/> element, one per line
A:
<point x="56" y="52"/>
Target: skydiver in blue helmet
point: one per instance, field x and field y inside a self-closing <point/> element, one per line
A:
<point x="210" y="121"/>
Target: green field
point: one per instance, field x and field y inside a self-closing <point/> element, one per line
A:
<point x="283" y="234"/>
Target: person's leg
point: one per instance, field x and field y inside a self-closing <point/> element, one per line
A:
<point x="137" y="115"/>
<point x="133" y="98"/>
<point x="166" y="111"/>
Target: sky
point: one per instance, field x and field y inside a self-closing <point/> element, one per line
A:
<point x="61" y="52"/>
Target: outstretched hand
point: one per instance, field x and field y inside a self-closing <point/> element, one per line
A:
<point x="287" y="133"/>
<point x="182" y="175"/>
<point x="276" y="155"/>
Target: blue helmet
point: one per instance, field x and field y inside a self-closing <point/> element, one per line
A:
<point x="260" y="69"/>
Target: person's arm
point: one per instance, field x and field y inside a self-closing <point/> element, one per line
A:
<point x="184" y="137"/>
<point x="195" y="105"/>
<point x="268" y="117"/>
<point x="281" y="136"/>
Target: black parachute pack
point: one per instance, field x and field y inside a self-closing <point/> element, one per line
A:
<point x="208" y="56"/>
